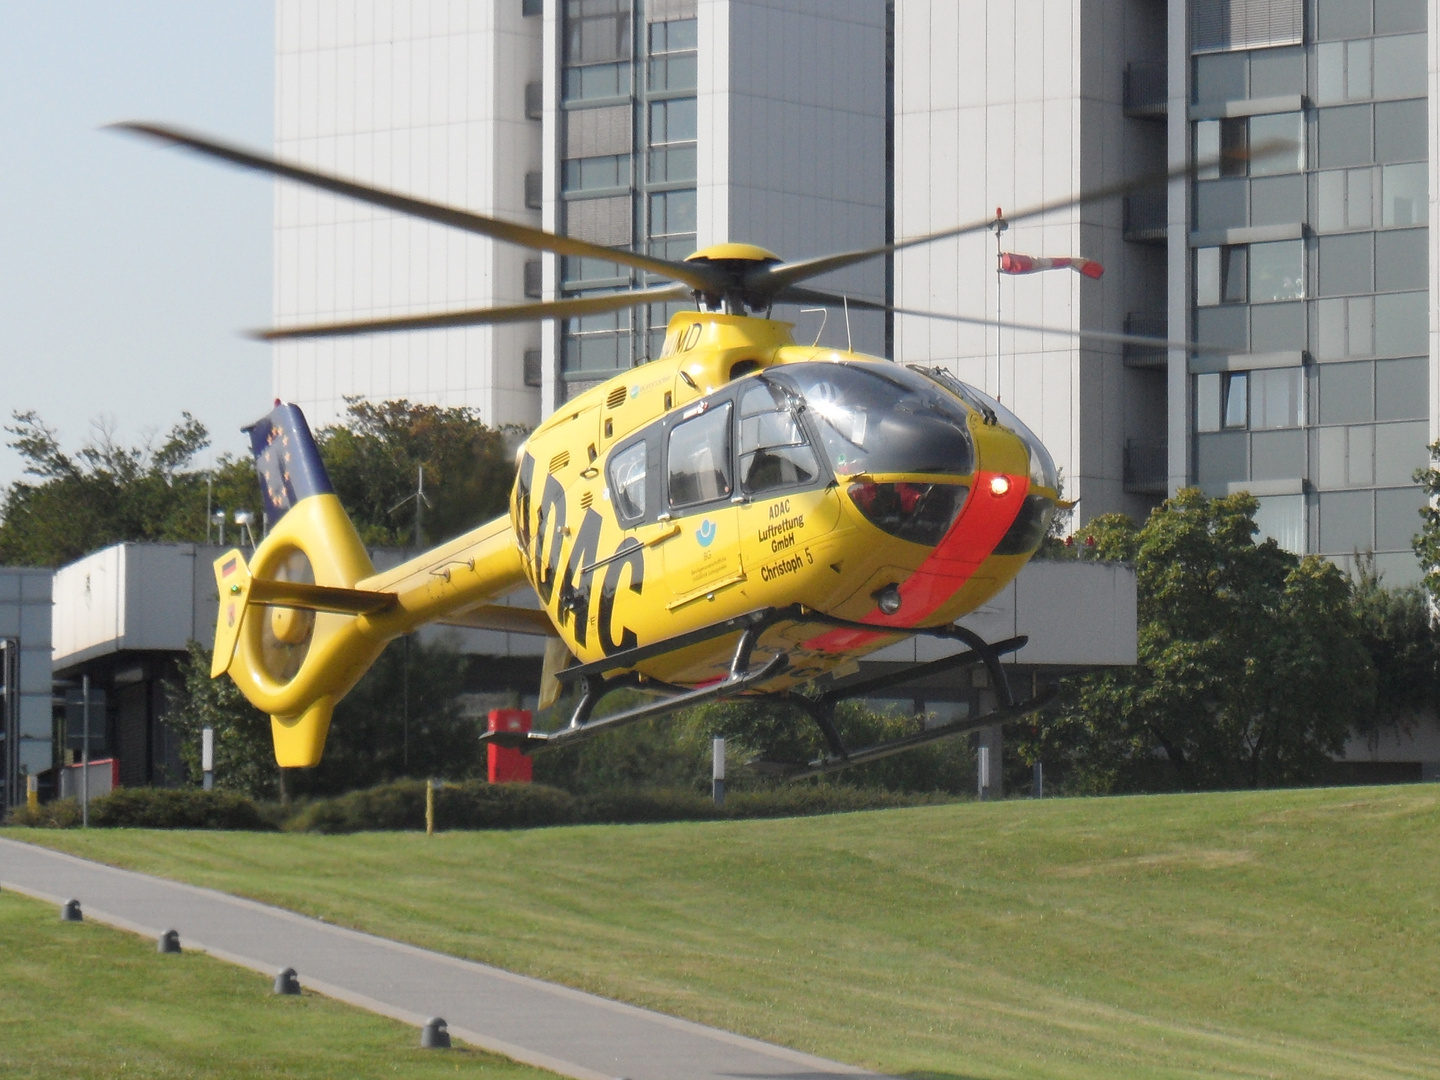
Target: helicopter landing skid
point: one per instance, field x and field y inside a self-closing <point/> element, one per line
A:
<point x="597" y="687"/>
<point x="821" y="709"/>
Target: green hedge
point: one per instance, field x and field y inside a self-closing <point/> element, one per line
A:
<point x="153" y="808"/>
<point x="475" y="804"/>
<point x="472" y="804"/>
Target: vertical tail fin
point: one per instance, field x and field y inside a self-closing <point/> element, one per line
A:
<point x="287" y="461"/>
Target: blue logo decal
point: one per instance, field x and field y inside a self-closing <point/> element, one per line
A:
<point x="706" y="533"/>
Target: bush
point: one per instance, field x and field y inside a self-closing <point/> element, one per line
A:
<point x="154" y="808"/>
<point x="58" y="814"/>
<point x="474" y="804"/>
<point x="176" y="808"/>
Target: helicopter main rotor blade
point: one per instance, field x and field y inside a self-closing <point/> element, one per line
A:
<point x="766" y="281"/>
<point x="696" y="276"/>
<point x="797" y="295"/>
<point x="570" y="308"/>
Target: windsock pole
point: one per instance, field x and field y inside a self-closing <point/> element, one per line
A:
<point x="998" y="226"/>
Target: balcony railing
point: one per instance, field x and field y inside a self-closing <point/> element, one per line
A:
<point x="1145" y="215"/>
<point x="1146" y="87"/>
<point x="1146" y="324"/>
<point x="1146" y="466"/>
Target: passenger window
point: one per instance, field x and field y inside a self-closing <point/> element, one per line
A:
<point x="699" y="458"/>
<point x="773" y="450"/>
<point x="627" y="481"/>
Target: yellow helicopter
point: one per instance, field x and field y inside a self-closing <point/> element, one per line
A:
<point x="741" y="516"/>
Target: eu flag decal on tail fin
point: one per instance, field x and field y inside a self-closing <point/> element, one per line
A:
<point x="287" y="461"/>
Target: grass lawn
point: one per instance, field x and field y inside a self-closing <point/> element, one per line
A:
<point x="83" y="1000"/>
<point x="1292" y="933"/>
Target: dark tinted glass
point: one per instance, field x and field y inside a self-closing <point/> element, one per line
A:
<point x="1277" y="71"/>
<point x="1398" y="16"/>
<point x="1400" y="131"/>
<point x="1401" y="260"/>
<point x="1220" y="77"/>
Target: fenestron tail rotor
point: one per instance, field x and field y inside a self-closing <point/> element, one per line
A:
<point x="286" y="633"/>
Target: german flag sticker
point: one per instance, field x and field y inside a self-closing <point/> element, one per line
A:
<point x="229" y="567"/>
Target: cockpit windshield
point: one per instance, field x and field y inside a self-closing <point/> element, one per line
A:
<point x="874" y="419"/>
<point x="1042" y="465"/>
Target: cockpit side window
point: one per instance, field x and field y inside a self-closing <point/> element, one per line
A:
<point x="698" y="458"/>
<point x="627" y="481"/>
<point x="774" y="453"/>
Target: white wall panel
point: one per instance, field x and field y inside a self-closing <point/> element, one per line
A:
<point x="422" y="96"/>
<point x="1013" y="103"/>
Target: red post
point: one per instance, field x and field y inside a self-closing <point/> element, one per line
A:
<point x="509" y="766"/>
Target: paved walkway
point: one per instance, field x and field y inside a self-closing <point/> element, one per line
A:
<point x="569" y="1032"/>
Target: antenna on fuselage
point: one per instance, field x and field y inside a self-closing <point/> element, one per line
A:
<point x="824" y="314"/>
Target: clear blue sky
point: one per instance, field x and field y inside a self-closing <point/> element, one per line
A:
<point x="126" y="269"/>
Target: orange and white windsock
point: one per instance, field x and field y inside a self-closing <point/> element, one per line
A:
<point x="1010" y="263"/>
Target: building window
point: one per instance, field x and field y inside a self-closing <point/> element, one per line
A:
<point x="672" y="64"/>
<point x="592" y="173"/>
<point x="1260" y="400"/>
<point x="596" y="31"/>
<point x="1277" y="271"/>
<point x="1404" y="194"/>
<point x="672" y="212"/>
<point x="1220" y="276"/>
<point x="672" y="120"/>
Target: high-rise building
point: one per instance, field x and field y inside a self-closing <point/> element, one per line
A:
<point x="1313" y="263"/>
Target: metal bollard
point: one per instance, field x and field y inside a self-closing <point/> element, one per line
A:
<point x="717" y="771"/>
<point x="169" y="942"/>
<point x="435" y="1035"/>
<point x="70" y="912"/>
<point x="287" y="982"/>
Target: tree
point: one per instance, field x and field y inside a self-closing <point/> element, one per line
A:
<point x="374" y="456"/>
<point x="1427" y="542"/>
<point x="1251" y="667"/>
<point x="244" y="750"/>
<point x="1395" y="629"/>
<point x="402" y="719"/>
<point x="107" y="493"/>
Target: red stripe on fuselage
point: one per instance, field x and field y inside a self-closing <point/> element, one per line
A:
<point x="980" y="526"/>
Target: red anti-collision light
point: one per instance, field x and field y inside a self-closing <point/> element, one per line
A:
<point x="999" y="485"/>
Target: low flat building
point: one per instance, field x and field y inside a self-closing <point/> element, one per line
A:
<point x="26" y="725"/>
